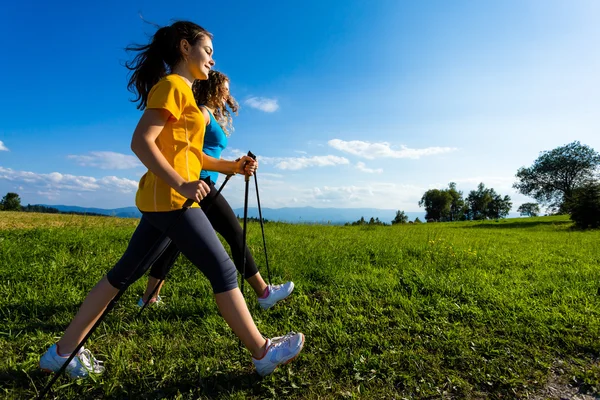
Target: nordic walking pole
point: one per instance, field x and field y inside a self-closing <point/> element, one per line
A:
<point x="262" y="226"/>
<point x="177" y="253"/>
<point x="114" y="301"/>
<point x="245" y="230"/>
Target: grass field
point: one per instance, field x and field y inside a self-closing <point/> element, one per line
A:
<point x="473" y="310"/>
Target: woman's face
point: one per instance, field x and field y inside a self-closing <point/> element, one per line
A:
<point x="199" y="57"/>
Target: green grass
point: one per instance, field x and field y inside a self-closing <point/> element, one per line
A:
<point x="458" y="310"/>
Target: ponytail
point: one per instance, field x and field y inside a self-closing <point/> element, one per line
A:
<point x="157" y="59"/>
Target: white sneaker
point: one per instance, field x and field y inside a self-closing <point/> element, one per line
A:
<point x="280" y="351"/>
<point x="80" y="366"/>
<point x="157" y="301"/>
<point x="276" y="293"/>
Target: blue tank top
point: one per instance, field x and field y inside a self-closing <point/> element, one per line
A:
<point x="215" y="141"/>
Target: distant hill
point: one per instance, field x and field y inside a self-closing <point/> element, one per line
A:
<point x="311" y="215"/>
<point x="125" y="212"/>
<point x="298" y="215"/>
<point x="307" y="215"/>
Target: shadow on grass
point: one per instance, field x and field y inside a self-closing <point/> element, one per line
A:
<point x="20" y="384"/>
<point x="34" y="317"/>
<point x="211" y="386"/>
<point x="515" y="225"/>
<point x="171" y="314"/>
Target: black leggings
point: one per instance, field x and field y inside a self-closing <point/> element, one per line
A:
<point x="224" y="221"/>
<point x="192" y="234"/>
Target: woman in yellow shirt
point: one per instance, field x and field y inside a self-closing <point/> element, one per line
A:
<point x="213" y="98"/>
<point x="168" y="140"/>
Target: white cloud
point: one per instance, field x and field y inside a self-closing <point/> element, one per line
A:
<point x="263" y="104"/>
<point x="362" y="167"/>
<point x="501" y="184"/>
<point x="328" y="194"/>
<point x="376" y="195"/>
<point x="49" y="194"/>
<point x="294" y="193"/>
<point x="296" y="163"/>
<point x="2" y="146"/>
<point x="55" y="182"/>
<point x="107" y="160"/>
<point x="384" y="150"/>
<point x="232" y="154"/>
<point x="122" y="185"/>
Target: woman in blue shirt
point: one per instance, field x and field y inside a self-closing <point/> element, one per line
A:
<point x="215" y="101"/>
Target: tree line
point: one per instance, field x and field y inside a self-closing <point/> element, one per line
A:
<point x="449" y="204"/>
<point x="565" y="180"/>
<point x="12" y="202"/>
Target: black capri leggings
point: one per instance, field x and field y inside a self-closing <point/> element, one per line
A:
<point x="224" y="221"/>
<point x="192" y="234"/>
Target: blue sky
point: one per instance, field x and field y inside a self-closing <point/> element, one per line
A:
<point x="348" y="103"/>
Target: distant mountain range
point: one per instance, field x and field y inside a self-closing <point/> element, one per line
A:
<point x="306" y="215"/>
<point x="125" y="212"/>
<point x="313" y="215"/>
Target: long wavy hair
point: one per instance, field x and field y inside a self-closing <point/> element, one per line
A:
<point x="158" y="58"/>
<point x="210" y="93"/>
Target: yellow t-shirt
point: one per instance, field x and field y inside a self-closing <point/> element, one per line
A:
<point x="180" y="141"/>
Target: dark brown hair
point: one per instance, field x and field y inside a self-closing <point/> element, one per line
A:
<point x="155" y="60"/>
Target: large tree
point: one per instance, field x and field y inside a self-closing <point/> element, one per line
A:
<point x="479" y="201"/>
<point x="529" y="209"/>
<point x="437" y="204"/>
<point x="11" y="202"/>
<point x="457" y="205"/>
<point x="554" y="176"/>
<point x="499" y="207"/>
<point x="584" y="206"/>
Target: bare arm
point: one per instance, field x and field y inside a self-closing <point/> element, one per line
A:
<point x="143" y="144"/>
<point x="245" y="165"/>
<point x="242" y="165"/>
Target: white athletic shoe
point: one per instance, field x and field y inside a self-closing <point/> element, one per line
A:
<point x="276" y="293"/>
<point x="157" y="301"/>
<point x="280" y="351"/>
<point x="80" y="366"/>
